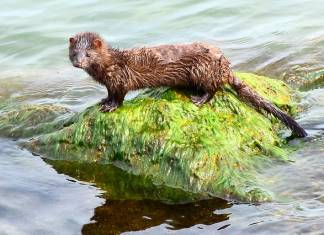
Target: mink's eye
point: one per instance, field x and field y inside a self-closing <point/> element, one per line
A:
<point x="73" y="53"/>
<point x="87" y="54"/>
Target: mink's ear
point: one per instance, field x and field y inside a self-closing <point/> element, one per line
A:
<point x="97" y="43"/>
<point x="72" y="40"/>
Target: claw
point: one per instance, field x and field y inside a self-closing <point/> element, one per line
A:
<point x="112" y="108"/>
<point x="197" y="100"/>
<point x="104" y="108"/>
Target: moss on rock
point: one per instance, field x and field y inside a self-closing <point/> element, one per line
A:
<point x="215" y="149"/>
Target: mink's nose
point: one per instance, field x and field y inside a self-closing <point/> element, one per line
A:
<point x="77" y="64"/>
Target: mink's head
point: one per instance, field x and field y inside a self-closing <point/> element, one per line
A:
<point x="85" y="49"/>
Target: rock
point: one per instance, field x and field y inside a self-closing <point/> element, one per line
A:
<point x="314" y="80"/>
<point x="305" y="77"/>
<point x="31" y="120"/>
<point x="213" y="150"/>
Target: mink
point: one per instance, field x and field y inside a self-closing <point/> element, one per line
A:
<point x="197" y="65"/>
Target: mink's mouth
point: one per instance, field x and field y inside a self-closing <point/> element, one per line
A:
<point x="77" y="66"/>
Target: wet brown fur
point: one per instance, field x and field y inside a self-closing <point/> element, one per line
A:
<point x="193" y="66"/>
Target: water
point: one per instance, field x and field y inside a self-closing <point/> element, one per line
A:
<point x="34" y="199"/>
<point x="283" y="39"/>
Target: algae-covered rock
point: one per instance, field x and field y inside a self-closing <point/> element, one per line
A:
<point x="304" y="77"/>
<point x="30" y="120"/>
<point x="214" y="149"/>
<point x="314" y="80"/>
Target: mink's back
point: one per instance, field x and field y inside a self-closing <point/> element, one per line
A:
<point x="173" y="52"/>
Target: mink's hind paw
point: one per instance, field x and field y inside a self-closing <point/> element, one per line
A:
<point x="200" y="100"/>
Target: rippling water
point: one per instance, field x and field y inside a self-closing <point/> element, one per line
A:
<point x="283" y="39"/>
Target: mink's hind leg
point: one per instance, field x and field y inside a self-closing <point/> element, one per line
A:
<point x="200" y="100"/>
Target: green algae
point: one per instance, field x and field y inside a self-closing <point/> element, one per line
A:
<point x="215" y="149"/>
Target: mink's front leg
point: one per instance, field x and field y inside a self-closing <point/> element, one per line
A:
<point x="104" y="100"/>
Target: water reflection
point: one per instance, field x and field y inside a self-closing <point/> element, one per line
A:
<point x="134" y="203"/>
<point x="121" y="185"/>
<point x="118" y="216"/>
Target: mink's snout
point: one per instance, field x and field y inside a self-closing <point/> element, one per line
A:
<point x="77" y="64"/>
<point x="79" y="61"/>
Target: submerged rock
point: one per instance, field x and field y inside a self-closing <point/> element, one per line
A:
<point x="212" y="150"/>
<point x="31" y="120"/>
<point x="314" y="80"/>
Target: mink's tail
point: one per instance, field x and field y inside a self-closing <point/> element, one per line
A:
<point x="251" y="97"/>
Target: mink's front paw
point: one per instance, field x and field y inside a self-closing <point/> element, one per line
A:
<point x="108" y="108"/>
